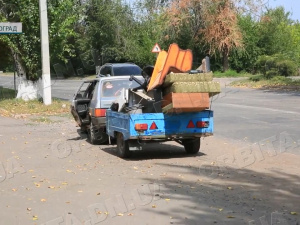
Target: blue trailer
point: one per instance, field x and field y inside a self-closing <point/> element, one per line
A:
<point x="186" y="128"/>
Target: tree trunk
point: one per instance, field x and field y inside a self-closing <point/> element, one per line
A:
<point x="18" y="63"/>
<point x="27" y="90"/>
<point x="225" y="55"/>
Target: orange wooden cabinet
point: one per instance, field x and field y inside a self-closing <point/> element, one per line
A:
<point x="186" y="102"/>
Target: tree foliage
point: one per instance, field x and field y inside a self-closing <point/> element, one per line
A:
<point x="119" y="32"/>
<point x="26" y="47"/>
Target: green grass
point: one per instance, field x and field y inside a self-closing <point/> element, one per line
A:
<point x="277" y="82"/>
<point x="230" y="73"/>
<point x="6" y="93"/>
<point x="9" y="105"/>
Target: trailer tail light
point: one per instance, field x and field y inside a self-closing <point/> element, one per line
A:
<point x="141" y="126"/>
<point x="153" y="126"/>
<point x="100" y="112"/>
<point x="202" y="124"/>
<point x="191" y="124"/>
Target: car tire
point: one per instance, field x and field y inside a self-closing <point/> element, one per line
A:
<point x="96" y="137"/>
<point x="191" y="146"/>
<point x="122" y="146"/>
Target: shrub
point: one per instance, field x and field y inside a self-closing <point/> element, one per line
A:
<point x="276" y="65"/>
<point x="256" y="78"/>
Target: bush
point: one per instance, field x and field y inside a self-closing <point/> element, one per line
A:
<point x="256" y="78"/>
<point x="228" y="73"/>
<point x="276" y="65"/>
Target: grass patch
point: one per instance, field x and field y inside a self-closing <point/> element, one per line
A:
<point x="278" y="82"/>
<point x="6" y="93"/>
<point x="12" y="106"/>
<point x="7" y="74"/>
<point x="230" y="73"/>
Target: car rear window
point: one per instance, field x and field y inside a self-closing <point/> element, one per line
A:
<point x="128" y="70"/>
<point x="112" y="88"/>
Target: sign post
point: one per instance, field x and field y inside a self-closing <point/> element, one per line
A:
<point x="46" y="79"/>
<point x="156" y="49"/>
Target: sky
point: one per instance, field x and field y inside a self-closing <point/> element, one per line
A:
<point x="292" y="6"/>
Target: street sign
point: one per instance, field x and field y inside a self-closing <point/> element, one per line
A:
<point x="156" y="49"/>
<point x="10" y="28"/>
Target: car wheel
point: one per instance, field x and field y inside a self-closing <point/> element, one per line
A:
<point x="95" y="136"/>
<point x="122" y="146"/>
<point x="191" y="146"/>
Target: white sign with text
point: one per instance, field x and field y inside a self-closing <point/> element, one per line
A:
<point x="10" y="28"/>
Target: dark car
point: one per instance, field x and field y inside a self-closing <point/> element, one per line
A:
<point x="119" y="69"/>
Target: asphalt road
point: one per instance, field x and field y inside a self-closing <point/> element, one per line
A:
<point x="51" y="175"/>
<point x="240" y="114"/>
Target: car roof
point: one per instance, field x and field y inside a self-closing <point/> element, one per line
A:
<point x="112" y="78"/>
<point x="122" y="64"/>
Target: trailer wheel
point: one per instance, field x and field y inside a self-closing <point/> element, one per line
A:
<point x="191" y="146"/>
<point x="122" y="146"/>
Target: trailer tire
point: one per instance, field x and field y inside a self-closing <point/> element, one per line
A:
<point x="122" y="146"/>
<point x="191" y="146"/>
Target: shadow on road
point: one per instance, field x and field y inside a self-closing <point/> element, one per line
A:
<point x="153" y="151"/>
<point x="226" y="195"/>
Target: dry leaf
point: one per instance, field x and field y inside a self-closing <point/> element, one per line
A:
<point x="30" y="170"/>
<point x="230" y="217"/>
<point x="130" y="214"/>
<point x="167" y="199"/>
<point x="33" y="176"/>
<point x="153" y="206"/>
<point x="98" y="193"/>
<point x="120" y="214"/>
<point x="220" y="209"/>
<point x="229" y="188"/>
<point x="80" y="191"/>
<point x="98" y="212"/>
<point x="37" y="184"/>
<point x="135" y="168"/>
<point x="294" y="213"/>
<point x="28" y="209"/>
<point x="34" y="218"/>
<point x="64" y="183"/>
<point x="106" y="213"/>
<point x="43" y="200"/>
<point x="69" y="171"/>
<point x="51" y="187"/>
<point x="67" y="202"/>
<point x="14" y="189"/>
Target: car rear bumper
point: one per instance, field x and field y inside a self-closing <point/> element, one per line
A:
<point x="99" y="122"/>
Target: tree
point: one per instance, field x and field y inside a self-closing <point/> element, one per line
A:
<point x="275" y="32"/>
<point x="214" y="23"/>
<point x="26" y="47"/>
<point x="244" y="59"/>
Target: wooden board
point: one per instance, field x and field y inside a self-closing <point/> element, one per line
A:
<point x="186" y="102"/>
<point x="186" y="77"/>
<point x="212" y="88"/>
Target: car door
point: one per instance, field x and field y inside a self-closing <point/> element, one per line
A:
<point x="81" y="101"/>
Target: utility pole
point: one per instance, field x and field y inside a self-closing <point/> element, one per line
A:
<point x="46" y="79"/>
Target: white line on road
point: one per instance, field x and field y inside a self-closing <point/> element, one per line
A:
<point x="259" y="108"/>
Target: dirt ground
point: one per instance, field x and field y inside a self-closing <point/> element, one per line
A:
<point x="49" y="174"/>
